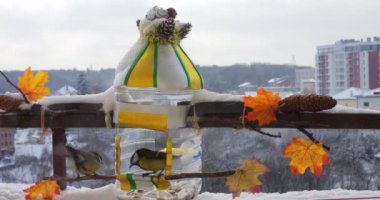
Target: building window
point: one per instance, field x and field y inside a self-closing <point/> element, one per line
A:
<point x="365" y="104"/>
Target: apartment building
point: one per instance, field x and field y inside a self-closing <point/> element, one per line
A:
<point x="348" y="63"/>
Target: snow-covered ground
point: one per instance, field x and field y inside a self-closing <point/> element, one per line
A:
<point x="9" y="191"/>
<point x="27" y="143"/>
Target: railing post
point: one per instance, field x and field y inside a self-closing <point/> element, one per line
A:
<point x="59" y="155"/>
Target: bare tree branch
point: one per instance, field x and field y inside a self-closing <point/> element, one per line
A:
<point x="265" y="133"/>
<point x="312" y="138"/>
<point x="17" y="88"/>
<point x="169" y="177"/>
<point x="199" y="175"/>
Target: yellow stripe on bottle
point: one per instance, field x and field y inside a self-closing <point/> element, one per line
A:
<point x="143" y="72"/>
<point x="157" y="122"/>
<point x="117" y="154"/>
<point x="195" y="79"/>
<point x="169" y="156"/>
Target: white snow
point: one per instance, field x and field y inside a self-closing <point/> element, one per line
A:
<point x="106" y="98"/>
<point x="11" y="191"/>
<point x="206" y="95"/>
<point x="103" y="97"/>
<point x="346" y="109"/>
<point x="297" y="195"/>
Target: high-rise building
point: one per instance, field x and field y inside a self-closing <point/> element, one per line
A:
<point x="348" y="63"/>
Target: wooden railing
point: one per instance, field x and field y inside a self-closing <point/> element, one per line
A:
<point x="201" y="115"/>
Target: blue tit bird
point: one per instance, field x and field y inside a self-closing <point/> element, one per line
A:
<point x="85" y="162"/>
<point x="149" y="160"/>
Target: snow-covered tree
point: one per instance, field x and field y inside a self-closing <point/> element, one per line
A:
<point x="82" y="84"/>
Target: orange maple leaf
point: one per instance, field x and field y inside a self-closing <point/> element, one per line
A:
<point x="304" y="154"/>
<point x="33" y="86"/>
<point x="45" y="188"/>
<point x="264" y="106"/>
<point x="246" y="178"/>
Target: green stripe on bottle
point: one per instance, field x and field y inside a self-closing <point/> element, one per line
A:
<point x="155" y="64"/>
<point x="183" y="66"/>
<point x="131" y="181"/>
<point x="200" y="77"/>
<point x="152" y="181"/>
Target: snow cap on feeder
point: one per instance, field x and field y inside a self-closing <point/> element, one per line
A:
<point x="157" y="59"/>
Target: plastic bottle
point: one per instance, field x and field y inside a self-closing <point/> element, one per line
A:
<point x="186" y="141"/>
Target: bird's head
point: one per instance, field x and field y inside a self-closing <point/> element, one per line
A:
<point x="134" y="159"/>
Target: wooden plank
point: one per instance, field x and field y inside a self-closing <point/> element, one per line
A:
<point x="208" y="114"/>
<point x="54" y="119"/>
<point x="230" y="114"/>
<point x="59" y="155"/>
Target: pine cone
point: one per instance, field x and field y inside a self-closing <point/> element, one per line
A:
<point x="172" y="13"/>
<point x="308" y="103"/>
<point x="9" y="103"/>
<point x="166" y="28"/>
<point x="185" y="30"/>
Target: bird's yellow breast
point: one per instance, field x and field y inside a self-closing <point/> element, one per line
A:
<point x="91" y="166"/>
<point x="152" y="165"/>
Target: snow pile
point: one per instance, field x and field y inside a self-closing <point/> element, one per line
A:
<point x="298" y="195"/>
<point x="206" y="96"/>
<point x="105" y="98"/>
<point x="10" y="191"/>
<point x="109" y="192"/>
<point x="347" y="110"/>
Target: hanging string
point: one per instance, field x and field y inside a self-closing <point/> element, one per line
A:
<point x="195" y="120"/>
<point x="108" y="119"/>
<point x="243" y="118"/>
<point x="118" y="150"/>
<point x="43" y="127"/>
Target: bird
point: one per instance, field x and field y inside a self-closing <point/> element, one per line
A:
<point x="85" y="162"/>
<point x="149" y="160"/>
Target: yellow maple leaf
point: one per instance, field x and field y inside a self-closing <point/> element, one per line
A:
<point x="44" y="188"/>
<point x="305" y="154"/>
<point x="264" y="106"/>
<point x="33" y="86"/>
<point x="246" y="178"/>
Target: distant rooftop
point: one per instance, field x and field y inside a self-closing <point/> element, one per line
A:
<point x="246" y="84"/>
<point x="368" y="39"/>
<point x="353" y="42"/>
<point x="352" y="93"/>
<point x="66" y="90"/>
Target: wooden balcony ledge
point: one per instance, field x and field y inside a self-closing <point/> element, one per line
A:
<point x="202" y="115"/>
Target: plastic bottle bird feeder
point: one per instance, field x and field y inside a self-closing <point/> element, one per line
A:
<point x="154" y="86"/>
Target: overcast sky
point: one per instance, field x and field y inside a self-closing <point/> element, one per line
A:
<point x="53" y="34"/>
